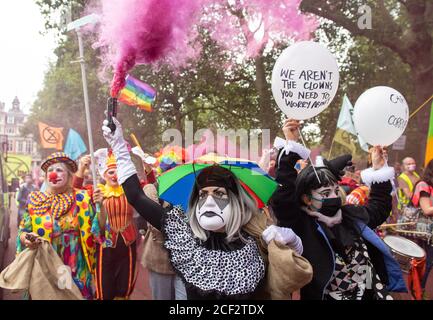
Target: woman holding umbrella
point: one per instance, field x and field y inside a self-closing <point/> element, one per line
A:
<point x="209" y="246"/>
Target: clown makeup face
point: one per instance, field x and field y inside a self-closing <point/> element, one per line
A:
<point x="213" y="209"/>
<point x="326" y="200"/>
<point x="57" y="177"/>
<point x="110" y="177"/>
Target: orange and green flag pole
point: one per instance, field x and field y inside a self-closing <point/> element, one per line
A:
<point x="429" y="148"/>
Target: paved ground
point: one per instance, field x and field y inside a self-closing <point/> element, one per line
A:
<point x="142" y="290"/>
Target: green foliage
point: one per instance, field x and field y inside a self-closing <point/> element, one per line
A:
<point x="211" y="92"/>
<point x="215" y="95"/>
<point x="397" y="52"/>
<point x="52" y="10"/>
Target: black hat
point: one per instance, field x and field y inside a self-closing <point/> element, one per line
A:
<point x="217" y="176"/>
<point x="337" y="165"/>
<point x="307" y="180"/>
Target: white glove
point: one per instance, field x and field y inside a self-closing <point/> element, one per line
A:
<point x="125" y="166"/>
<point x="283" y="235"/>
<point x="115" y="137"/>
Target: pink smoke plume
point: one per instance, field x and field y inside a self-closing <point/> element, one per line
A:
<point x="246" y="27"/>
<point x="146" y="32"/>
<point x="164" y="31"/>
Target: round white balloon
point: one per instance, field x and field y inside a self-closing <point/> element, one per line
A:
<point x="305" y="80"/>
<point x="381" y="115"/>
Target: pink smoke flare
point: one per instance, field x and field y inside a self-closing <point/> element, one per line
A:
<point x="164" y="31"/>
<point x="145" y="32"/>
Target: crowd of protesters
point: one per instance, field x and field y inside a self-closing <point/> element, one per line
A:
<point x="321" y="221"/>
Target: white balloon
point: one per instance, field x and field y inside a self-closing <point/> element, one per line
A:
<point x="305" y="80"/>
<point x="381" y="115"/>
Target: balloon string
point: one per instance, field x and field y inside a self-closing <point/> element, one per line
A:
<point x="309" y="156"/>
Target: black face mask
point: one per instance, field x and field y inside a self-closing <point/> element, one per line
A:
<point x="330" y="206"/>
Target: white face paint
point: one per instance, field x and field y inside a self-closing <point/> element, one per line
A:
<point x="57" y="177"/>
<point x="110" y="177"/>
<point x="213" y="210"/>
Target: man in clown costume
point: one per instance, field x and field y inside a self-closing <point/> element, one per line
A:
<point x="116" y="234"/>
<point x="64" y="217"/>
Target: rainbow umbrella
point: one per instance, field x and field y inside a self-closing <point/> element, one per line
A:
<point x="175" y="185"/>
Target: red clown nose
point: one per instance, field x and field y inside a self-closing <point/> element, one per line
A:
<point x="52" y="177"/>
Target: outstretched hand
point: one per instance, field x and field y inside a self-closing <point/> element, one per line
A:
<point x="291" y="129"/>
<point x="112" y="137"/>
<point x="98" y="196"/>
<point x="283" y="235"/>
<point x="378" y="157"/>
<point x="125" y="166"/>
<point x="84" y="163"/>
<point x="30" y="240"/>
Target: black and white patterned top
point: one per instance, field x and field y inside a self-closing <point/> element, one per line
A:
<point x="354" y="278"/>
<point x="235" y="272"/>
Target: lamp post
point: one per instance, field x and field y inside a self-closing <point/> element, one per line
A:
<point x="77" y="25"/>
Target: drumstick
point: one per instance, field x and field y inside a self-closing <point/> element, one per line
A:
<point x="396" y="224"/>
<point x="415" y="232"/>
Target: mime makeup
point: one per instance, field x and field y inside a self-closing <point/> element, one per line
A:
<point x="213" y="208"/>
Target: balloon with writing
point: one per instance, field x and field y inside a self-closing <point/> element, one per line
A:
<point x="305" y="80"/>
<point x="381" y="115"/>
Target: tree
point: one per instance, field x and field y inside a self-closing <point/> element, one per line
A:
<point x="249" y="29"/>
<point x="218" y="91"/>
<point x="402" y="26"/>
<point x="244" y="29"/>
<point x="228" y="85"/>
<point x="60" y="102"/>
<point x="51" y="9"/>
<point x="205" y="94"/>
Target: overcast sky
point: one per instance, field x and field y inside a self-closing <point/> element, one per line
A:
<point x="24" y="52"/>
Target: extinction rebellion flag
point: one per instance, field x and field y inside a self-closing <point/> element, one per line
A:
<point x="51" y="138"/>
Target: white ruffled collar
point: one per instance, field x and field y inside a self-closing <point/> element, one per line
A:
<point x="234" y="272"/>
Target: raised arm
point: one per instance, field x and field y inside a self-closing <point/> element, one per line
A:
<point x="148" y="209"/>
<point x="378" y="178"/>
<point x="128" y="178"/>
<point x="284" y="202"/>
<point x="421" y="198"/>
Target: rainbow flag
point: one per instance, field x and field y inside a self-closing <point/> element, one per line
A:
<point x="137" y="94"/>
<point x="429" y="148"/>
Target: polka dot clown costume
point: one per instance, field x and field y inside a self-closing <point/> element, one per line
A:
<point x="65" y="220"/>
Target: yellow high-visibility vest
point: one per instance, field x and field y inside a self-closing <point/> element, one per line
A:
<point x="402" y="197"/>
